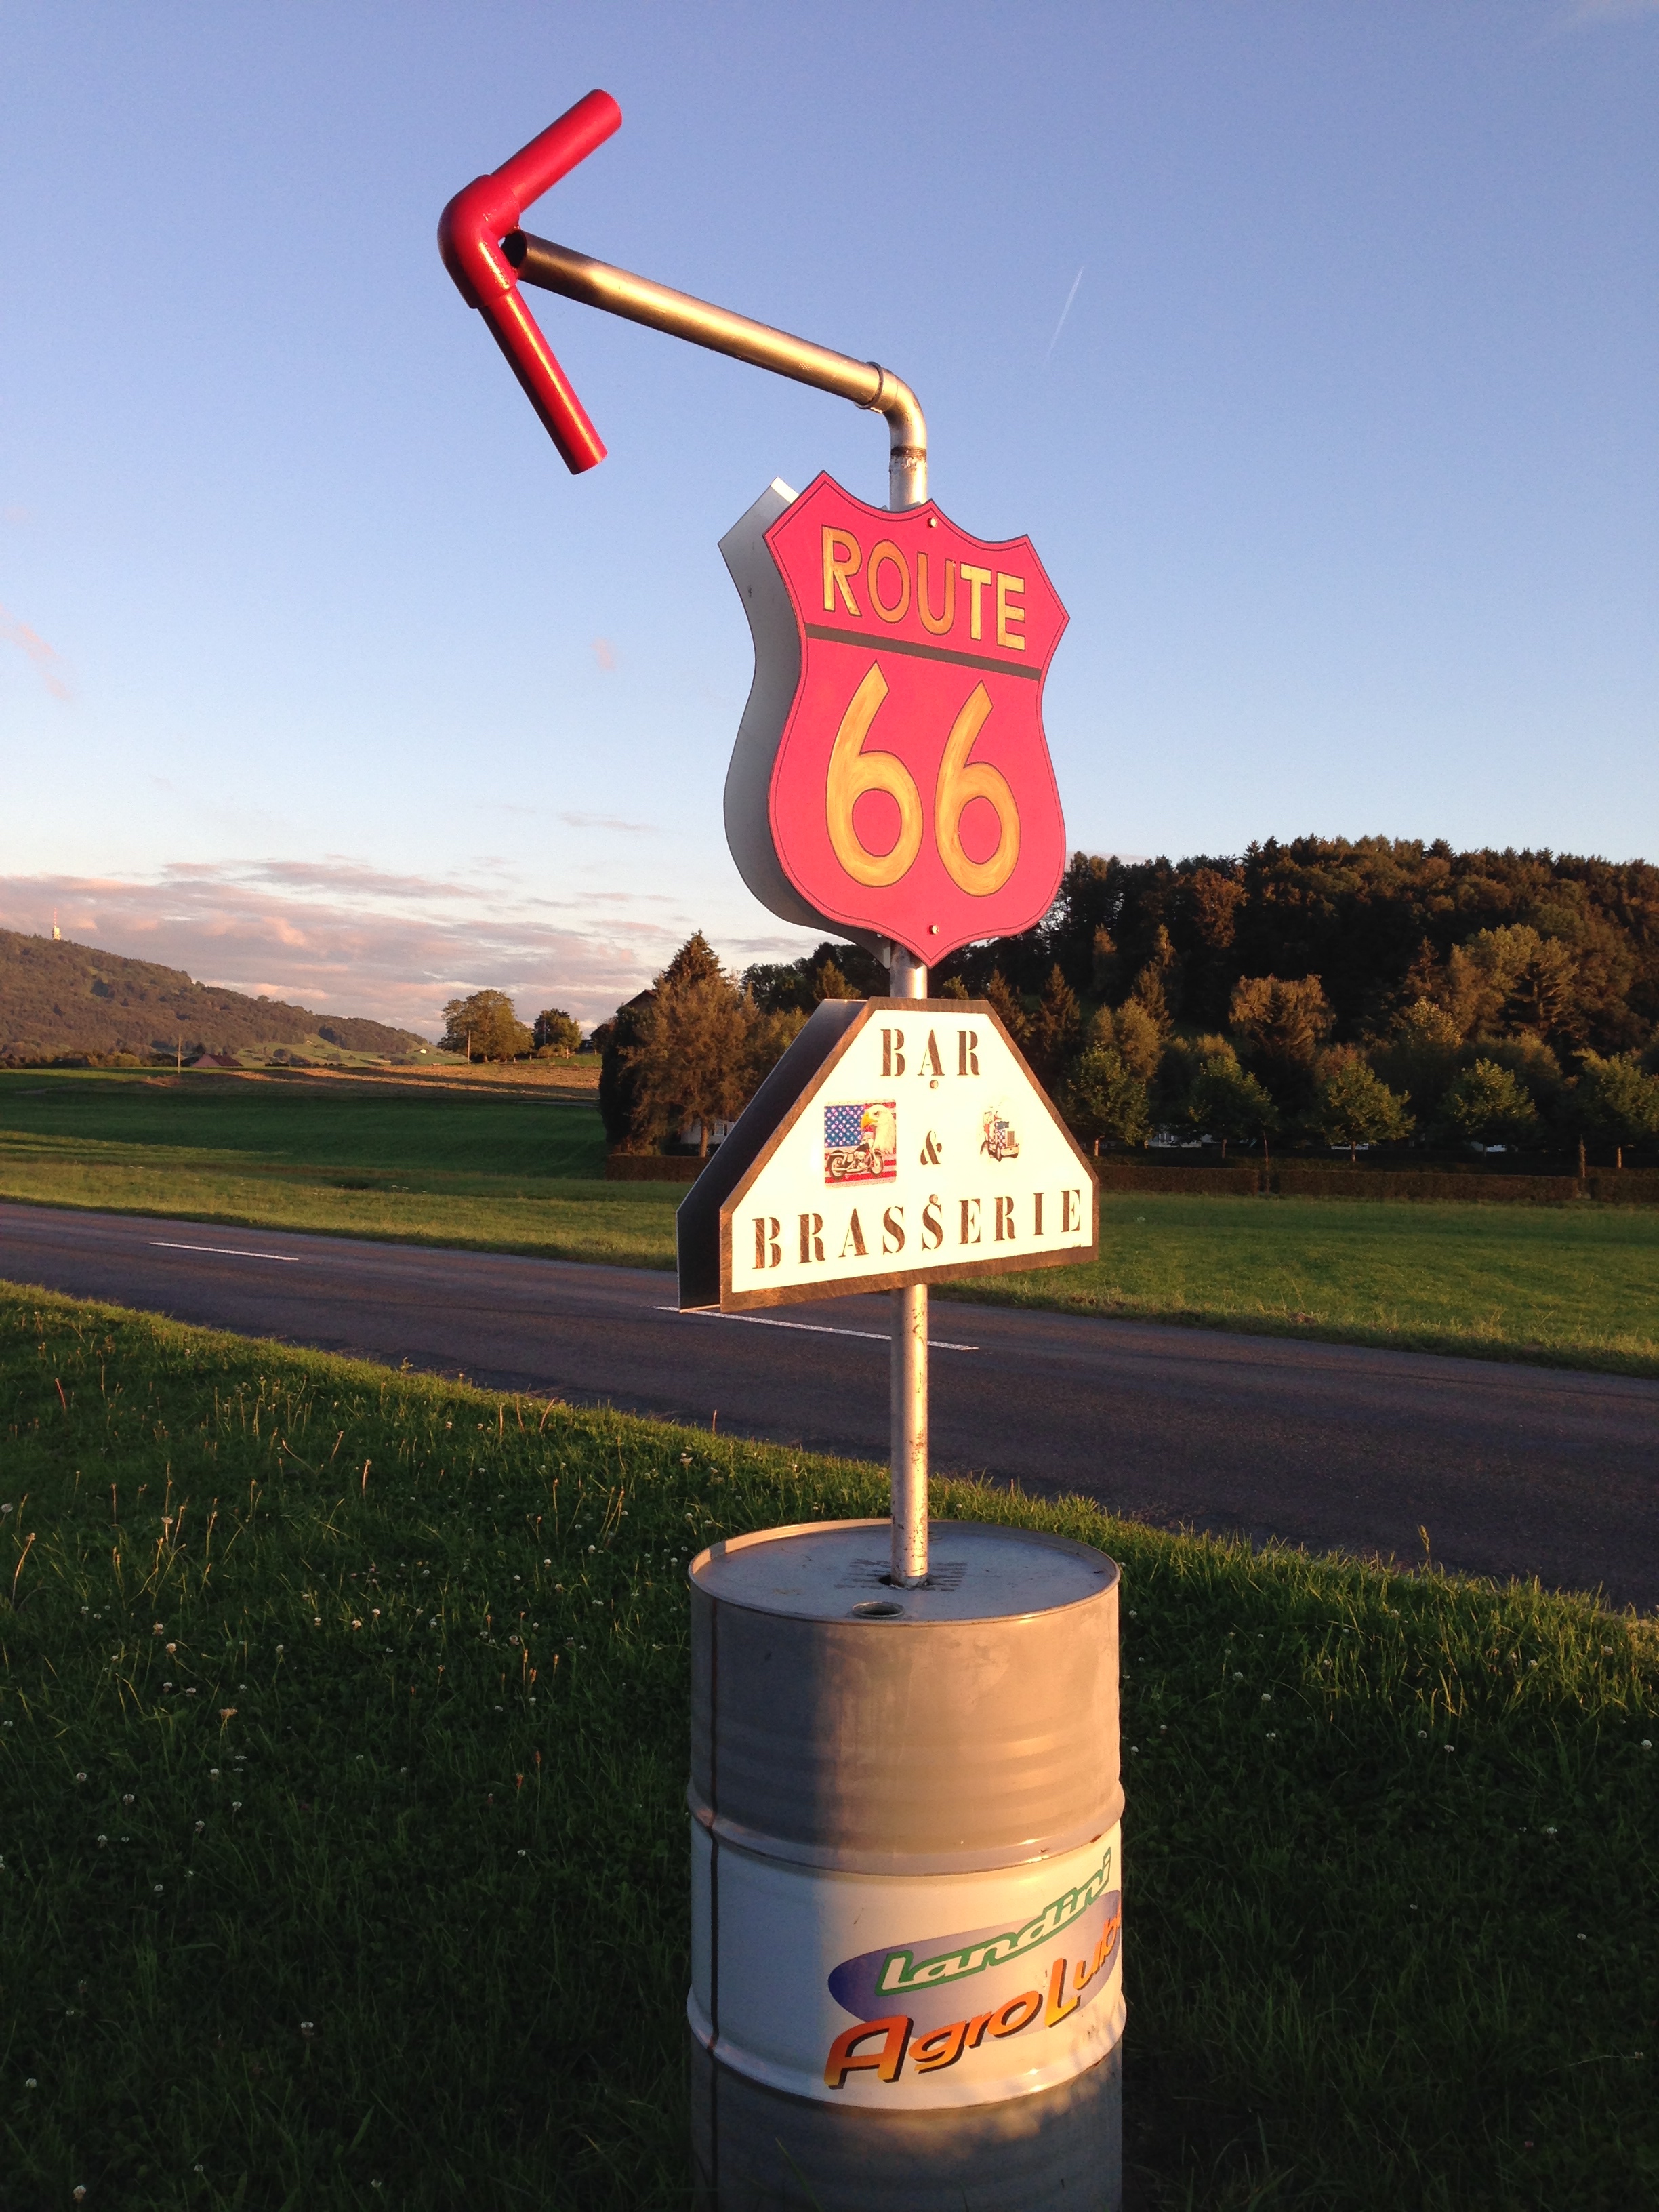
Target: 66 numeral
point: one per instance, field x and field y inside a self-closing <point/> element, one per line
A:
<point x="853" y="770"/>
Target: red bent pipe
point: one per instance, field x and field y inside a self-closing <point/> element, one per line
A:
<point x="469" y="232"/>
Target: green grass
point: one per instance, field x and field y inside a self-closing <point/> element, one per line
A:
<point x="495" y="1166"/>
<point x="391" y="1911"/>
<point x="1573" y="1286"/>
<point x="498" y="1167"/>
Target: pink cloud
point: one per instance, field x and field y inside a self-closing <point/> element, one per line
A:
<point x="44" y="659"/>
<point x="394" y="948"/>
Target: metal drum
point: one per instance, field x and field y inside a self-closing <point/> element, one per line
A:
<point x="906" y="1874"/>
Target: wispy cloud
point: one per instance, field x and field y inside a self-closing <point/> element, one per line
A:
<point x="44" y="659"/>
<point x="1064" y="312"/>
<point x="608" y="822"/>
<point x="604" y="652"/>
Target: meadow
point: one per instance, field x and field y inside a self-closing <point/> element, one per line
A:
<point x="517" y="1166"/>
<point x="343" y="1747"/>
<point x="514" y="1165"/>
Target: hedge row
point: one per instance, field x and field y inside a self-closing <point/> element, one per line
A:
<point x="1635" y="1187"/>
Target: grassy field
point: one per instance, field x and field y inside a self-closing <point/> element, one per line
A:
<point x="514" y="1166"/>
<point x="343" y="1741"/>
<point x="502" y="1164"/>
<point x="1575" y="1285"/>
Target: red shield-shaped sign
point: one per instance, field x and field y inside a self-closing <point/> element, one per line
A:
<point x="911" y="793"/>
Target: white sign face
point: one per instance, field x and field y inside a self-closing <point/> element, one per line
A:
<point x="923" y="1149"/>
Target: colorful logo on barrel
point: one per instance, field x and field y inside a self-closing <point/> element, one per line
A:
<point x="912" y="792"/>
<point x="945" y="1996"/>
<point x="860" y="1141"/>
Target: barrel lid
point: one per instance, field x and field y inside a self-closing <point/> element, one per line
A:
<point x="837" y="1571"/>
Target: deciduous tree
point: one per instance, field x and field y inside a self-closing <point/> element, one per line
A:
<point x="1488" y="1105"/>
<point x="556" y="1032"/>
<point x="1418" y="1056"/>
<point x="1138" y="1038"/>
<point x="1225" y="1101"/>
<point x="1615" y="1102"/>
<point x="1102" y="1098"/>
<point x="1352" y="1107"/>
<point x="485" y="1027"/>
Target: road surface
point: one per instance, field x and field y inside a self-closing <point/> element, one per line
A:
<point x="1513" y="1470"/>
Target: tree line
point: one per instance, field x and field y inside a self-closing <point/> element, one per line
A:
<point x="1373" y="992"/>
<point x="485" y="1025"/>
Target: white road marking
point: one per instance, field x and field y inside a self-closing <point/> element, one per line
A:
<point x="811" y="1328"/>
<point x="226" y="1251"/>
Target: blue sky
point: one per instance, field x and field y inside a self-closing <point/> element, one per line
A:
<point x="319" y="676"/>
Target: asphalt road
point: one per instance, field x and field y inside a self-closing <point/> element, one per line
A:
<point x="1512" y="1470"/>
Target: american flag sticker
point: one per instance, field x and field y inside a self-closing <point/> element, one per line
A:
<point x="860" y="1142"/>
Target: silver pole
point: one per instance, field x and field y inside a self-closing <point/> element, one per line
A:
<point x="908" y="1360"/>
<point x="908" y="1377"/>
<point x="659" y="308"/>
<point x="554" y="268"/>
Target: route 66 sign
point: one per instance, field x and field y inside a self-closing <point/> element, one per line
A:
<point x="892" y="778"/>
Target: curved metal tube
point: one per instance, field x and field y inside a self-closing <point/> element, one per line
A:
<point x="467" y="232"/>
<point x="553" y="268"/>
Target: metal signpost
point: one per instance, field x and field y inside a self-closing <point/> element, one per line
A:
<point x="906" y="1968"/>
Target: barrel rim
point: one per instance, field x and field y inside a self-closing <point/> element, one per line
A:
<point x="1045" y="1539"/>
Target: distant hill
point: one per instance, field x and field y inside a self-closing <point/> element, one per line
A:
<point x="58" y="1000"/>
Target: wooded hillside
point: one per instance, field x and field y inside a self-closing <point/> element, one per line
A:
<point x="1377" y="920"/>
<point x="59" y="999"/>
